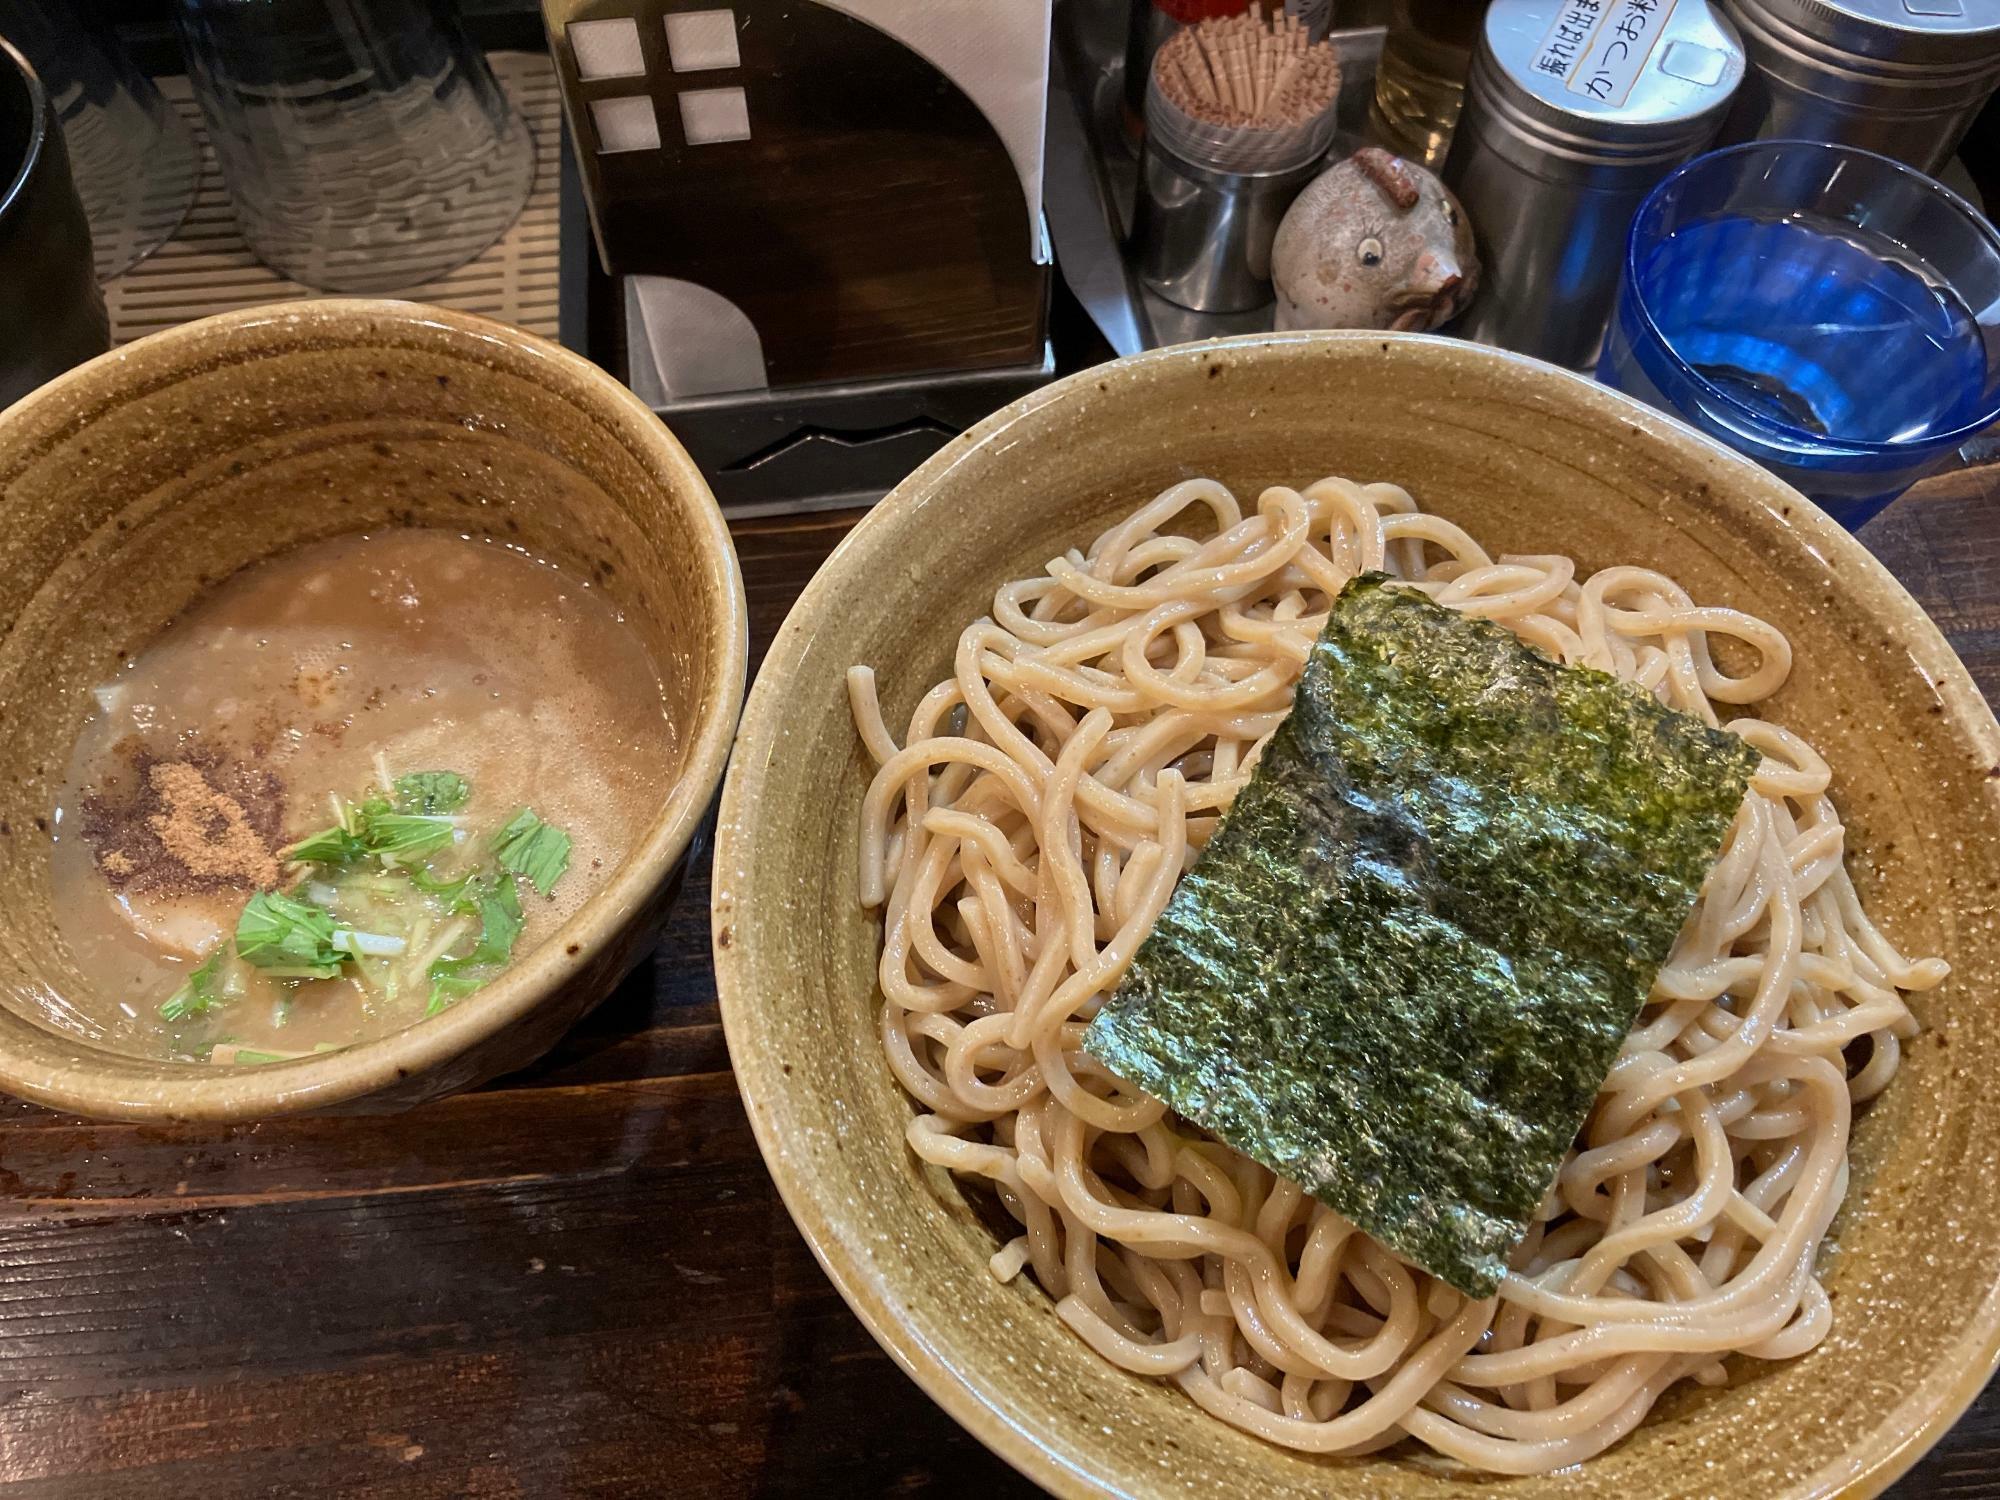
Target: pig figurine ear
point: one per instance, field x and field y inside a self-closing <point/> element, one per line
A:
<point x="1394" y="176"/>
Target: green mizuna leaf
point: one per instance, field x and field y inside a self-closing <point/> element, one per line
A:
<point x="532" y="848"/>
<point x="460" y="893"/>
<point x="448" y="989"/>
<point x="330" y="846"/>
<point x="413" y="825"/>
<point x="431" y="792"/>
<point x="1404" y="964"/>
<point x="499" y="906"/>
<point x="287" y="938"/>
<point x="198" y="994"/>
<point x="499" y="924"/>
<point x="404" y="836"/>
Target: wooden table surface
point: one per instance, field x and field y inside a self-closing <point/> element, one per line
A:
<point x="575" y="1282"/>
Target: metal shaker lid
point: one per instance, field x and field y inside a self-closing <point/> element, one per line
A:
<point x="1609" y="80"/>
<point x="1955" y="35"/>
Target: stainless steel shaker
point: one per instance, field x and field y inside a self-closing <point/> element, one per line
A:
<point x="1573" y="111"/>
<point x="1203" y="235"/>
<point x="1900" y="77"/>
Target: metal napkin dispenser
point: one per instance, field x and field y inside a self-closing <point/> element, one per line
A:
<point x="817" y="190"/>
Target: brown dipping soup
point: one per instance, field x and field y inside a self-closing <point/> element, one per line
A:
<point x="304" y="691"/>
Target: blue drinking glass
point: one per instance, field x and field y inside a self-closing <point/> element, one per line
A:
<point x="1828" y="312"/>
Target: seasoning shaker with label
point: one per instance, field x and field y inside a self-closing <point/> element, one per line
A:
<point x="1573" y="112"/>
<point x="1903" y="78"/>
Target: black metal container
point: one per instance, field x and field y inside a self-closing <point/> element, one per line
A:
<point x="51" y="311"/>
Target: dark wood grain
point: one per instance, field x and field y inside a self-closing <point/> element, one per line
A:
<point x="858" y="150"/>
<point x="575" y="1282"/>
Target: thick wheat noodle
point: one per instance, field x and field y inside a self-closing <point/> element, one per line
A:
<point x="1028" y="833"/>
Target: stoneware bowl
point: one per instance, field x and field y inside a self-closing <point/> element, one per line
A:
<point x="1529" y="459"/>
<point x="135" y="481"/>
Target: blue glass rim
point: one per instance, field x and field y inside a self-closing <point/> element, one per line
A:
<point x="1757" y="416"/>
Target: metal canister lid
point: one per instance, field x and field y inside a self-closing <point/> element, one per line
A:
<point x="1940" y="36"/>
<point x="1623" y="81"/>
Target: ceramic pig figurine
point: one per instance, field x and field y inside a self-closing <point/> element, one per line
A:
<point x="1375" y="242"/>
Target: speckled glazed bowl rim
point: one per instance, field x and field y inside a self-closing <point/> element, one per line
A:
<point x="869" y="1287"/>
<point x="200" y="1091"/>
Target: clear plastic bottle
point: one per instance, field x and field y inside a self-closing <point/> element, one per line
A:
<point x="1420" y="82"/>
<point x="365" y="143"/>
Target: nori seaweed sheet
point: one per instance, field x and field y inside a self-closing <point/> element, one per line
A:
<point x="1404" y="964"/>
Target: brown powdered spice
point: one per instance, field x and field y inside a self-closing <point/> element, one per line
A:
<point x="207" y="830"/>
<point x="197" y="822"/>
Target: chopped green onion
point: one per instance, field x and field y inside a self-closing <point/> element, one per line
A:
<point x="287" y="938"/>
<point x="528" y="846"/>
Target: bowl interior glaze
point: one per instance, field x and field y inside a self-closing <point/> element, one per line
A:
<point x="1528" y="459"/>
<point x="130" y="485"/>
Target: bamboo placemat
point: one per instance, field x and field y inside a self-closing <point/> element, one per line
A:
<point x="206" y="268"/>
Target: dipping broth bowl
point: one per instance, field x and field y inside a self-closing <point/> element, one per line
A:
<point x="134" y="482"/>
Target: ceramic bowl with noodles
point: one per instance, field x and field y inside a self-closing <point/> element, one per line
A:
<point x="1766" y="1265"/>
